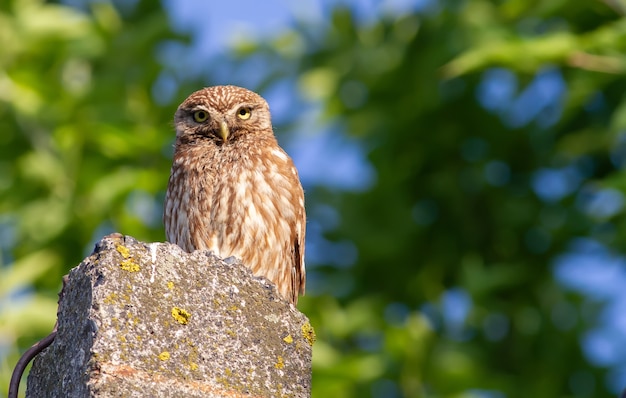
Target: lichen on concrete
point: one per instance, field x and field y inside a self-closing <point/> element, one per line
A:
<point x="184" y="325"/>
<point x="180" y="315"/>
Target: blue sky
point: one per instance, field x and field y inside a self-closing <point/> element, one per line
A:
<point x="222" y="23"/>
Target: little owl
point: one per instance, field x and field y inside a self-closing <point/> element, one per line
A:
<point x="233" y="190"/>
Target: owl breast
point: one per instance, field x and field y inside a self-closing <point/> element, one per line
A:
<point x="243" y="206"/>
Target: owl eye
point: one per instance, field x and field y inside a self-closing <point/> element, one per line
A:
<point x="244" y="113"/>
<point x="200" y="116"/>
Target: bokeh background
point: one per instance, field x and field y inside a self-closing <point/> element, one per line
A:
<point x="463" y="162"/>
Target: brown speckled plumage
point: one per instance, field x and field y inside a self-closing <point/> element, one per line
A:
<point x="233" y="190"/>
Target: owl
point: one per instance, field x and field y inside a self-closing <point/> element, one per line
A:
<point x="234" y="190"/>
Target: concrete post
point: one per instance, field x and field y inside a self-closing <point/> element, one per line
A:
<point x="149" y="320"/>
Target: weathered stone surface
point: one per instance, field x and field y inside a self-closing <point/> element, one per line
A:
<point x="149" y="320"/>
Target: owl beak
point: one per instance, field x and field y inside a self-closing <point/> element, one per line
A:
<point x="224" y="130"/>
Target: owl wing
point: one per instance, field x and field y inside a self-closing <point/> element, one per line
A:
<point x="298" y="279"/>
<point x="298" y="271"/>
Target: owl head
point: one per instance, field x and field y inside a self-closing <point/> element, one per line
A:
<point x="222" y="115"/>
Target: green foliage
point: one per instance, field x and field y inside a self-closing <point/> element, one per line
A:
<point x="452" y="211"/>
<point x="435" y="220"/>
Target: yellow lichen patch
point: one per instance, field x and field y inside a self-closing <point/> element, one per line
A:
<point x="181" y="315"/>
<point x="288" y="339"/>
<point x="233" y="308"/>
<point x="193" y="366"/>
<point x="170" y="285"/>
<point x="111" y="299"/>
<point x="279" y="363"/>
<point x="123" y="250"/>
<point x="129" y="265"/>
<point x="309" y="333"/>
<point x="164" y="356"/>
